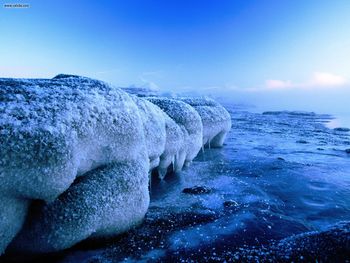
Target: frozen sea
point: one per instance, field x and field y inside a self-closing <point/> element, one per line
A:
<point x="279" y="174"/>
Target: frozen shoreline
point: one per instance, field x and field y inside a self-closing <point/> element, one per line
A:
<point x="77" y="153"/>
<point x="277" y="176"/>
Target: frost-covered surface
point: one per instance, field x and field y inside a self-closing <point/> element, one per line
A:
<point x="13" y="213"/>
<point x="53" y="130"/>
<point x="215" y="119"/>
<point x="82" y="149"/>
<point x="190" y="123"/>
<point x="271" y="198"/>
<point x="106" y="201"/>
<point x="175" y="142"/>
<point x="276" y="192"/>
<point x="153" y="120"/>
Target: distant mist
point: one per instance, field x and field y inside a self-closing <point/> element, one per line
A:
<point x="331" y="101"/>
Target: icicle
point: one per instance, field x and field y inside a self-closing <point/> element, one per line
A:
<point x="150" y="180"/>
<point x="176" y="161"/>
<point x="173" y="163"/>
<point x="161" y="173"/>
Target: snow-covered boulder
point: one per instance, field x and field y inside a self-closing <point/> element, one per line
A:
<point x="190" y="123"/>
<point x="215" y="118"/>
<point x="51" y="131"/>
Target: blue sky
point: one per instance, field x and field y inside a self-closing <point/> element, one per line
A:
<point x="292" y="51"/>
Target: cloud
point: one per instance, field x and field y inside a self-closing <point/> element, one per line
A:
<point x="327" y="79"/>
<point x="317" y="80"/>
<point x="148" y="79"/>
<point x="278" y="84"/>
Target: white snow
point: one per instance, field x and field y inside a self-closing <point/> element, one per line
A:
<point x="85" y="148"/>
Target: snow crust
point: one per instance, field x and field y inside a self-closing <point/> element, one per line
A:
<point x="85" y="148"/>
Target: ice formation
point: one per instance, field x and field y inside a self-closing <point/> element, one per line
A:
<point x="106" y="201"/>
<point x="215" y="118"/>
<point x="190" y="123"/>
<point x="175" y="142"/>
<point x="153" y="121"/>
<point x="85" y="148"/>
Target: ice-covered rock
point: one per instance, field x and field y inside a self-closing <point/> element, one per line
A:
<point x="52" y="130"/>
<point x="190" y="123"/>
<point x="83" y="150"/>
<point x="175" y="142"/>
<point x="215" y="118"/>
<point x="153" y="119"/>
<point x="106" y="201"/>
<point x="13" y="212"/>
